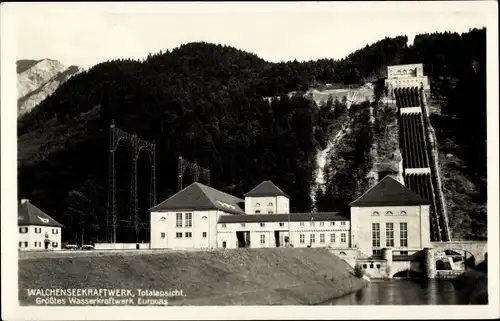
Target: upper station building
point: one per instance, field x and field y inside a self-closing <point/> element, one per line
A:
<point x="404" y="76"/>
<point x="37" y="230"/>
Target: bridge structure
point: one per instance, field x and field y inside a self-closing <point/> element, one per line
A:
<point x="426" y="262"/>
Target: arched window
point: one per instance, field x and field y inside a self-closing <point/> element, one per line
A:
<point x="257" y="204"/>
<point x="403" y="213"/>
<point x="204" y="218"/>
<point x="162" y="218"/>
<point x="375" y="213"/>
<point x="389" y="213"/>
<point x="270" y="204"/>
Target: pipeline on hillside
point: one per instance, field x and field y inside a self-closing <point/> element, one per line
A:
<point x="419" y="152"/>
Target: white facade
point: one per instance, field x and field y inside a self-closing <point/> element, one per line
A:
<point x="267" y="205"/>
<point x="415" y="218"/>
<point x="335" y="234"/>
<point x="401" y="76"/>
<point x="168" y="231"/>
<point x="39" y="238"/>
<point x="405" y="71"/>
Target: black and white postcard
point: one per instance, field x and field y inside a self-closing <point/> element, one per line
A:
<point x="273" y="160"/>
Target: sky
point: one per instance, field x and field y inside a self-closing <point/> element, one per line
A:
<point x="89" y="33"/>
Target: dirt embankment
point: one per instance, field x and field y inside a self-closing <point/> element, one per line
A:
<point x="220" y="277"/>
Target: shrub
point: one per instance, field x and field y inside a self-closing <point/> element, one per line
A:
<point x="358" y="271"/>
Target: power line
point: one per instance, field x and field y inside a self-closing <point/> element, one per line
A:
<point x="195" y="169"/>
<point x="137" y="144"/>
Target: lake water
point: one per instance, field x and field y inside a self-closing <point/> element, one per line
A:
<point x="403" y="292"/>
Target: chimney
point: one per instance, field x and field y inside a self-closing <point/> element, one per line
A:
<point x="24" y="200"/>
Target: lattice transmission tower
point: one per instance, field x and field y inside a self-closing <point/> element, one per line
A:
<point x="137" y="144"/>
<point x="195" y="169"/>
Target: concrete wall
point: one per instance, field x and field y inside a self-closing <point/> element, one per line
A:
<point x="349" y="255"/>
<point x="375" y="269"/>
<point x="267" y="205"/>
<point x="35" y="241"/>
<point x="417" y="219"/>
<point x="202" y="222"/>
<point x="120" y="246"/>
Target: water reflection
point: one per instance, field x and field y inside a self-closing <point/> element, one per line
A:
<point x="404" y="292"/>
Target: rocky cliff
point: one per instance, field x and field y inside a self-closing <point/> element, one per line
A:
<point x="37" y="79"/>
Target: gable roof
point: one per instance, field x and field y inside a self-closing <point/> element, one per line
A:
<point x="292" y="217"/>
<point x="389" y="192"/>
<point x="29" y="214"/>
<point x="266" y="188"/>
<point x="200" y="197"/>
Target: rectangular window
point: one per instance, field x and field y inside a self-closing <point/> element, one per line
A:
<point x="178" y="235"/>
<point x="23" y="230"/>
<point x="302" y="239"/>
<point x="321" y="223"/>
<point x="204" y="234"/>
<point x="55" y="231"/>
<point x="20" y="244"/>
<point x="54" y="244"/>
<point x="403" y="234"/>
<point x="375" y="234"/>
<point x="25" y="244"/>
<point x="189" y="234"/>
<point x="282" y="224"/>
<point x="189" y="219"/>
<point x="312" y="238"/>
<point x="243" y="225"/>
<point x="343" y="238"/>
<point x="162" y="235"/>
<point x="223" y="225"/>
<point x="38" y="230"/>
<point x="178" y="220"/>
<point x="262" y="239"/>
<point x="270" y="212"/>
<point x="342" y="223"/>
<point x="403" y="252"/>
<point x="322" y="238"/>
<point x="389" y="234"/>
<point x="311" y="223"/>
<point x="376" y="252"/>
<point x="262" y="224"/>
<point x="36" y="244"/>
<point x="257" y="212"/>
<point x="332" y="238"/>
<point x="332" y="223"/>
<point x="301" y="224"/>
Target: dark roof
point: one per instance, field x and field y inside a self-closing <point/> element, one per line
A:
<point x="266" y="188"/>
<point x="389" y="192"/>
<point x="29" y="214"/>
<point x="293" y="217"/>
<point x="200" y="197"/>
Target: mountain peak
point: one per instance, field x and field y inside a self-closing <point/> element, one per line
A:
<point x="36" y="79"/>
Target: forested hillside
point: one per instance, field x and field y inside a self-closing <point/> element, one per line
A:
<point x="204" y="102"/>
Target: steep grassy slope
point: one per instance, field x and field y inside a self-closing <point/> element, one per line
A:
<point x="465" y="193"/>
<point x="243" y="276"/>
